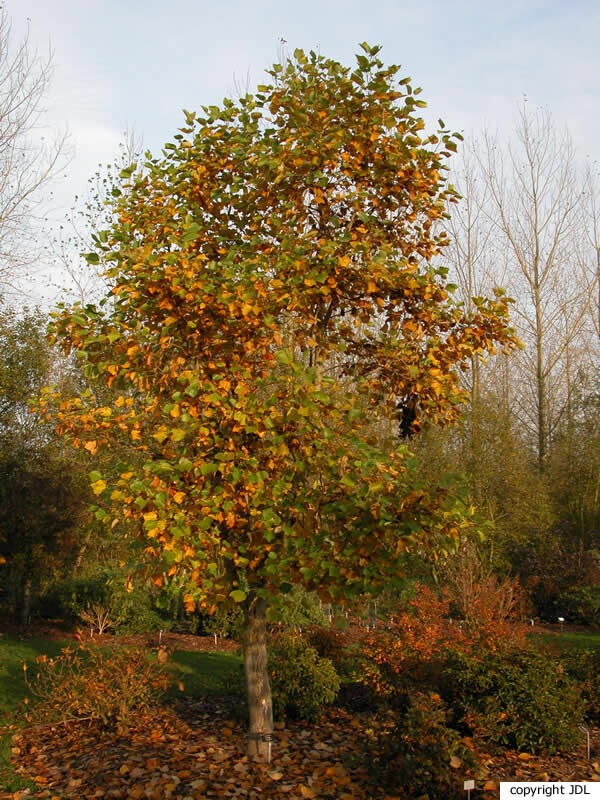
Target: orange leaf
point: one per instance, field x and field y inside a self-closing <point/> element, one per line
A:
<point x="189" y="603"/>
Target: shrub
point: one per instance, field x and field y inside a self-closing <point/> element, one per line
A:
<point x="301" y="682"/>
<point x="345" y="654"/>
<point x="421" y="753"/>
<point x="96" y="682"/>
<point x="580" y="605"/>
<point x="223" y="623"/>
<point x="133" y="610"/>
<point x="584" y="667"/>
<point x="69" y="597"/>
<point x="414" y="644"/>
<point x="519" y="699"/>
<point x="490" y="606"/>
<point x="81" y="598"/>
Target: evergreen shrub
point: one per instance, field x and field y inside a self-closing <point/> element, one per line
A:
<point x="420" y="754"/>
<point x="302" y="682"/>
<point x="520" y="699"/>
<point x="584" y="667"/>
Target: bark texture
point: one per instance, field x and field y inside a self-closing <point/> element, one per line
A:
<point x="260" y="706"/>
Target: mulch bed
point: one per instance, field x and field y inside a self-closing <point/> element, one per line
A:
<point x="197" y="750"/>
<point x="173" y="641"/>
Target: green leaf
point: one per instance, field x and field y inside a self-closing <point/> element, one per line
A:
<point x="190" y="233"/>
<point x="284" y="357"/>
<point x="238" y="595"/>
<point x="300" y="56"/>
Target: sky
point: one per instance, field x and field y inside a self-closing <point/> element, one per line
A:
<point x="137" y="64"/>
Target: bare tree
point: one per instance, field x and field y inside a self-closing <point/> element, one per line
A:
<point x="27" y="162"/>
<point x="472" y="254"/>
<point x="536" y="201"/>
<point x="590" y="255"/>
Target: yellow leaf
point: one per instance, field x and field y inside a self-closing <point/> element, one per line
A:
<point x="169" y="321"/>
<point x="98" y="486"/>
<point x="175" y="411"/>
<point x="246" y="309"/>
<point x="91" y="446"/>
<point x="160" y="435"/>
<point x="179" y="497"/>
<point x="371" y="286"/>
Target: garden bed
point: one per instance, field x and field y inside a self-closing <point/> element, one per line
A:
<point x="197" y="749"/>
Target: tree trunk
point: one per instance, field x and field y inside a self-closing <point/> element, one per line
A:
<point x="260" y="705"/>
<point x="540" y="378"/>
<point x="26" y="604"/>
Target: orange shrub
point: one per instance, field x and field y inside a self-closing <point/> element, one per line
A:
<point x="93" y="681"/>
<point x="491" y="606"/>
<point x="417" y="637"/>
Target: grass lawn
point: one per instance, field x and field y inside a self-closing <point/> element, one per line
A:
<point x="207" y="673"/>
<point x="200" y="673"/>
<point x="566" y="640"/>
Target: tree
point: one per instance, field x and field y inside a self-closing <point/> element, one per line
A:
<point x="42" y="496"/>
<point x="473" y="261"/>
<point x="536" y="197"/>
<point x="26" y="165"/>
<point x="271" y="297"/>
